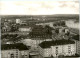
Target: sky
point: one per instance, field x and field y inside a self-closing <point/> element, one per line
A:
<point x="38" y="7"/>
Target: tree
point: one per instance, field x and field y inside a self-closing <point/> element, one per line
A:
<point x="61" y="56"/>
<point x="57" y="31"/>
<point x="14" y="27"/>
<point x="48" y="30"/>
<point x="14" y="38"/>
<point x="77" y="55"/>
<point x="54" y="24"/>
<point x="52" y="56"/>
<point x="76" y="37"/>
<point x="68" y="33"/>
<point x="63" y="23"/>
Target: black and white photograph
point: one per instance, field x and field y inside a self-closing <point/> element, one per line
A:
<point x="39" y="29"/>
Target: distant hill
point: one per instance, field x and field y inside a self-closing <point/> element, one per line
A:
<point x="42" y="16"/>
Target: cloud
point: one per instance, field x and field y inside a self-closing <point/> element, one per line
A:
<point x="38" y="8"/>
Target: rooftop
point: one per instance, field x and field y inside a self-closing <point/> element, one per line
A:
<point x="24" y="27"/>
<point x="74" y="30"/>
<point x="19" y="46"/>
<point x="47" y="44"/>
<point x="41" y="32"/>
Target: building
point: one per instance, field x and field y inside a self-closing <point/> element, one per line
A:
<point x="78" y="47"/>
<point x="62" y="29"/>
<point x="47" y="23"/>
<point x="40" y="34"/>
<point x="33" y="43"/>
<point x="73" y="24"/>
<point x="57" y="47"/>
<point x="17" y="50"/>
<point x="77" y="41"/>
<point x="45" y="49"/>
<point x="24" y="29"/>
<point x="5" y="27"/>
<point x="18" y="21"/>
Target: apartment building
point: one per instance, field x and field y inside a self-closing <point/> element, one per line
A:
<point x="57" y="47"/>
<point x="17" y="50"/>
<point x="78" y="46"/>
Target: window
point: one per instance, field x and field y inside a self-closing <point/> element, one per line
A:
<point x="56" y="50"/>
<point x="16" y="52"/>
<point x="69" y="49"/>
<point x="12" y="55"/>
<point x="25" y="55"/>
<point x="16" y="56"/>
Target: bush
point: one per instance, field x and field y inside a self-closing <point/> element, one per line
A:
<point x="61" y="56"/>
<point x="77" y="55"/>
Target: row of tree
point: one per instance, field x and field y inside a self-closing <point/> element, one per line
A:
<point x="59" y="23"/>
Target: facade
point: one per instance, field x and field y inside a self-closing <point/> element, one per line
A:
<point x="25" y="29"/>
<point x="78" y="47"/>
<point x="24" y="54"/>
<point x="33" y="43"/>
<point x="18" y="21"/>
<point x="14" y="51"/>
<point x="63" y="30"/>
<point x="36" y="42"/>
<point x="66" y="50"/>
<point x="45" y="52"/>
<point x="56" y="48"/>
<point x="5" y="27"/>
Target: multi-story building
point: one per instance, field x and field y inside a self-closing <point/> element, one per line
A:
<point x="40" y="34"/>
<point x="77" y="41"/>
<point x="18" y="21"/>
<point x="24" y="29"/>
<point x="78" y="47"/>
<point x="5" y="27"/>
<point x="45" y="49"/>
<point x="72" y="24"/>
<point x="17" y="50"/>
<point x="58" y="47"/>
<point x="33" y="43"/>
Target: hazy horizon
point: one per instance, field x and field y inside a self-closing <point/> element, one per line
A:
<point x="39" y="7"/>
